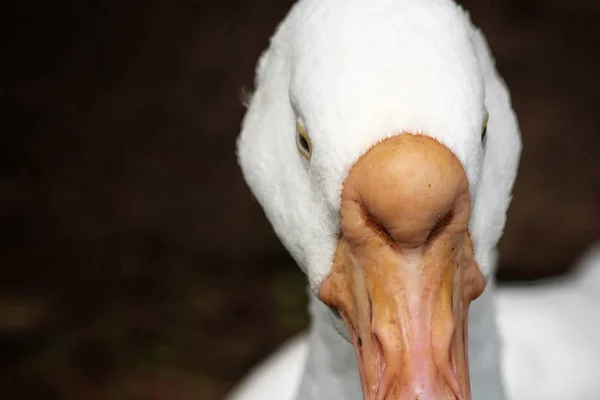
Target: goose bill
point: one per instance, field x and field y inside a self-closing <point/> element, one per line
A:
<point x="404" y="271"/>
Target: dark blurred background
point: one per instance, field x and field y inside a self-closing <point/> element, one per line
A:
<point x="135" y="263"/>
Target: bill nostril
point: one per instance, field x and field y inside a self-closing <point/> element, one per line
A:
<point x="439" y="227"/>
<point x="375" y="224"/>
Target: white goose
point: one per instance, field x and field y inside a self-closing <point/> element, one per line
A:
<point x="365" y="142"/>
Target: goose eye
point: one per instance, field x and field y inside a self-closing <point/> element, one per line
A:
<point x="484" y="129"/>
<point x="303" y="141"/>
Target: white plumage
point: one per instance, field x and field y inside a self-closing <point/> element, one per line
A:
<point x="551" y="333"/>
<point x="353" y="73"/>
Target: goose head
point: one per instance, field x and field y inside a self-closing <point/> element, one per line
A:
<point x="366" y="143"/>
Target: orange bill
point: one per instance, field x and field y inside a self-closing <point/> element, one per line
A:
<point x="404" y="271"/>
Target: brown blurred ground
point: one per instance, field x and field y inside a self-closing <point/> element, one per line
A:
<point x="135" y="264"/>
